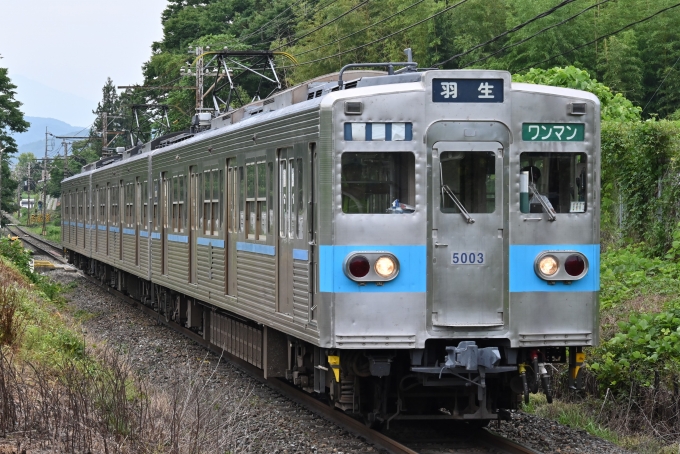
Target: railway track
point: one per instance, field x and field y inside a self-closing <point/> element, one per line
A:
<point x="37" y="243"/>
<point x="411" y="440"/>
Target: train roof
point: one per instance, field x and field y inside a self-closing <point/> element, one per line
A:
<point x="305" y="96"/>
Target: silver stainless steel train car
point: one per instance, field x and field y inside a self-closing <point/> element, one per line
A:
<point x="413" y="245"/>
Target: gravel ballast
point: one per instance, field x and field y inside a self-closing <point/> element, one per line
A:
<point x="155" y="351"/>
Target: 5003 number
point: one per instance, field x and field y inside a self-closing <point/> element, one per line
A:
<point x="467" y="258"/>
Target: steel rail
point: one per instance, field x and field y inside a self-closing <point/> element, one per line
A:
<point x="379" y="440"/>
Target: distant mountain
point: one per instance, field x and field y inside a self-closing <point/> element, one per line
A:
<point x="42" y="101"/>
<point x="36" y="132"/>
<point x="33" y="140"/>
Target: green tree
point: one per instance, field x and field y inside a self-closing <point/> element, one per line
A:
<point x="111" y="105"/>
<point x="613" y="106"/>
<point x="621" y="67"/>
<point x="11" y="121"/>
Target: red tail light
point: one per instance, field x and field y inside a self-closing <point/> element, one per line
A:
<point x="574" y="265"/>
<point x="358" y="266"/>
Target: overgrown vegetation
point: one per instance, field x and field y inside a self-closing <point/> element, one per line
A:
<point x="57" y="394"/>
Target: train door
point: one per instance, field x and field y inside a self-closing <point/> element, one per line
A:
<point x="164" y="222"/>
<point x="108" y="217"/>
<point x="293" y="250"/>
<point x="467" y="235"/>
<point x="77" y="217"/>
<point x="193" y="225"/>
<point x="136" y="216"/>
<point x="119" y="218"/>
<point x="232" y="224"/>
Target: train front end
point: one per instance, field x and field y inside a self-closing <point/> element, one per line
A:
<point x="461" y="253"/>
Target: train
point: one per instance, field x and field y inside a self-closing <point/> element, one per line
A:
<point x="408" y="244"/>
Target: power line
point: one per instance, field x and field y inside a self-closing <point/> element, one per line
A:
<point x="325" y="24"/>
<point x="507" y="32"/>
<point x="243" y="38"/>
<point x="448" y="8"/>
<point x="603" y="36"/>
<point x="309" y="13"/>
<point x="664" y="80"/>
<point x="363" y="29"/>
<point x="509" y="46"/>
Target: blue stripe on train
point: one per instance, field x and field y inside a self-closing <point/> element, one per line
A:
<point x="523" y="278"/>
<point x="210" y="242"/>
<point x="412" y="277"/>
<point x="256" y="248"/>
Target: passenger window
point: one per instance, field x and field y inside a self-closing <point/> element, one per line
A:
<point x="291" y="197"/>
<point x="262" y="200"/>
<point x="469" y="178"/>
<point x="378" y="183"/>
<point x="300" y="201"/>
<point x="155" y="204"/>
<point x="559" y="179"/>
<point x="241" y="200"/>
<point x="250" y="200"/>
<point x="283" y="191"/>
<point x="270" y="170"/>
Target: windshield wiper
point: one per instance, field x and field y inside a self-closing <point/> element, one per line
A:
<point x="547" y="208"/>
<point x="446" y="190"/>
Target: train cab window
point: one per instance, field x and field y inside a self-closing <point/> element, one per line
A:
<point x="468" y="178"/>
<point x="558" y="178"/>
<point x="376" y="183"/>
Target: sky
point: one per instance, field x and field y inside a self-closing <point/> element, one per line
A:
<point x="59" y="53"/>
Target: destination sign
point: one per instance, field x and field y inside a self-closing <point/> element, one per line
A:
<point x="467" y="90"/>
<point x="553" y="132"/>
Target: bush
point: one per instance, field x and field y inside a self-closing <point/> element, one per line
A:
<point x="15" y="252"/>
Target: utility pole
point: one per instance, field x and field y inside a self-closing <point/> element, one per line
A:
<point x="105" y="127"/>
<point x="199" y="79"/>
<point x="1" y="150"/>
<point x="28" y="183"/>
<point x="44" y="191"/>
<point x="65" y="144"/>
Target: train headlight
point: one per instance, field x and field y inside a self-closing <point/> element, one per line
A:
<point x="385" y="267"/>
<point x="548" y="265"/>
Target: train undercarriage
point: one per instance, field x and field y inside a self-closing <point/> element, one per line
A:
<point x="448" y="379"/>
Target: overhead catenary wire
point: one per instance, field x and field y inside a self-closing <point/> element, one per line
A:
<point x="262" y="28"/>
<point x="325" y="24"/>
<point x="543" y="30"/>
<point x="659" y="87"/>
<point x="342" y="38"/>
<point x="507" y="32"/>
<point x="375" y="41"/>
<point x="625" y="27"/>
<point x="307" y="14"/>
